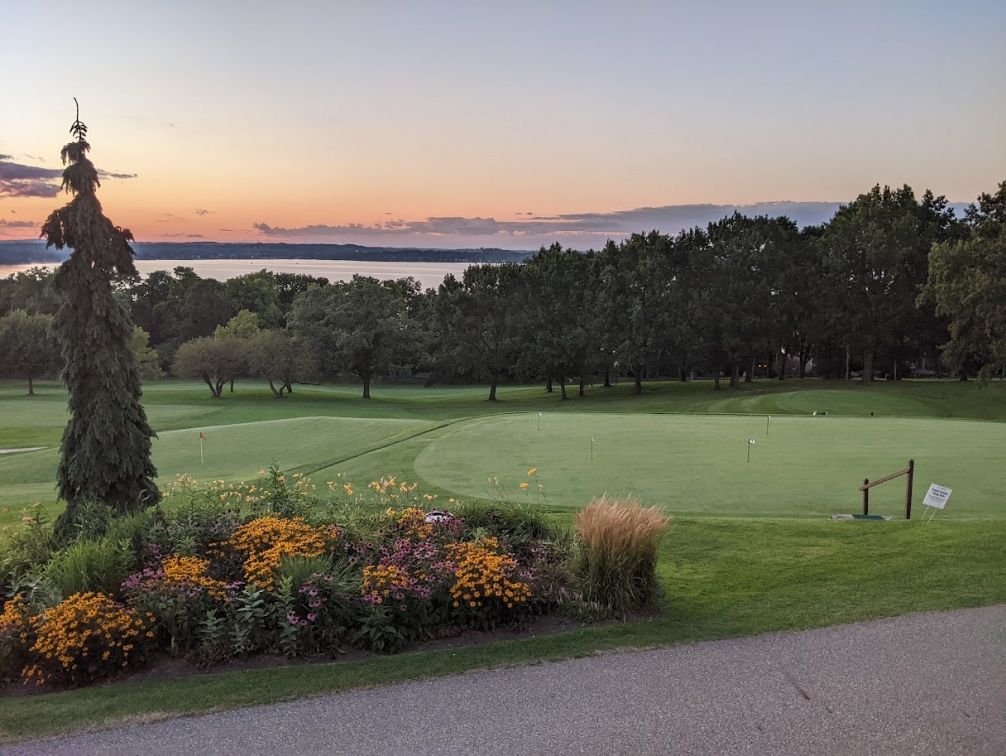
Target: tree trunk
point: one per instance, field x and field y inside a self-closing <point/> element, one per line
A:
<point x="867" y="366"/>
<point x="782" y="366"/>
<point x="735" y="375"/>
<point x="607" y="376"/>
<point x="492" y="386"/>
<point x="750" y="374"/>
<point x="218" y="389"/>
<point x="31" y="387"/>
<point x="232" y="385"/>
<point x="288" y="385"/>
<point x="562" y="389"/>
<point x="639" y="378"/>
<point x="208" y="382"/>
<point x="682" y="374"/>
<point x="804" y="359"/>
<point x="548" y="386"/>
<point x="366" y="386"/>
<point x="581" y="383"/>
<point x="277" y="394"/>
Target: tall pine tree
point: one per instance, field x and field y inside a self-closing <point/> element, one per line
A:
<point x="105" y="452"/>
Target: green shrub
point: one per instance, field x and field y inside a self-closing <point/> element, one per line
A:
<point x="520" y="526"/>
<point x="92" y="520"/>
<point x="378" y="632"/>
<point x="91" y="566"/>
<point x="617" y="552"/>
<point x="191" y="530"/>
<point x="316" y="603"/>
<point x="30" y="548"/>
<point x="134" y="529"/>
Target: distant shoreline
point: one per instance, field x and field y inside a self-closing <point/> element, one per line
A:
<point x="26" y="252"/>
<point x="429" y="274"/>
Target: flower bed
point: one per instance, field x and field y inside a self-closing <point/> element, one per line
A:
<point x="225" y="571"/>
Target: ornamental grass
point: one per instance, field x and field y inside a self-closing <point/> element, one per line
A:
<point x="616" y="557"/>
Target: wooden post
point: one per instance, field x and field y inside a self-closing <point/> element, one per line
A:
<point x="866" y="496"/>
<point x="908" y="489"/>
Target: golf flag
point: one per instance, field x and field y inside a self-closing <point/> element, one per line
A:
<point x="201" y="436"/>
<point x="751" y="440"/>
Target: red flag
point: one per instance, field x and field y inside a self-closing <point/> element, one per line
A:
<point x="201" y="436"/>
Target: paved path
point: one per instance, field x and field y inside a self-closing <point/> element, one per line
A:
<point x="922" y="684"/>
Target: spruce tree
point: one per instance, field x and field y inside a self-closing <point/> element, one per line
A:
<point x="105" y="451"/>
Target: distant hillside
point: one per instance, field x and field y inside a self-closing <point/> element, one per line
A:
<point x="21" y="252"/>
<point x="25" y="252"/>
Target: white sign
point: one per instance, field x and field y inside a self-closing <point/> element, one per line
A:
<point x="937" y="496"/>
<point x="751" y="440"/>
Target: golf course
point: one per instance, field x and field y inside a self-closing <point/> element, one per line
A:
<point x="776" y="449"/>
<point x="750" y="477"/>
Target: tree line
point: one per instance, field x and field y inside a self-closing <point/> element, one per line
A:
<point x="892" y="284"/>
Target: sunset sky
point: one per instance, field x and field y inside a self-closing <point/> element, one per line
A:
<point x="509" y="124"/>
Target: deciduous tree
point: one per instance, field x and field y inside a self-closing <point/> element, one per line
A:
<point x="28" y="347"/>
<point x="967" y="282"/>
<point x="213" y="361"/>
<point x="877" y="252"/>
<point x="357" y="327"/>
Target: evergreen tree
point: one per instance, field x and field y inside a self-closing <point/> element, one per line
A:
<point x="105" y="452"/>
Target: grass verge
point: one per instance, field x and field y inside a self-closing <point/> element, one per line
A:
<point x="722" y="578"/>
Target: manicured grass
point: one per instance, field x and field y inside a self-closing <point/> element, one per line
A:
<point x="663" y="446"/>
<point x="722" y="577"/>
<point x="697" y="464"/>
<point x="682" y="446"/>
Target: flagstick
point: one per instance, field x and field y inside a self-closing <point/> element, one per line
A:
<point x="768" y="420"/>
<point x="200" y="450"/>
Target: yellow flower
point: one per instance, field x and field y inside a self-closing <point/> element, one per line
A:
<point x="533" y="471"/>
<point x="523" y="486"/>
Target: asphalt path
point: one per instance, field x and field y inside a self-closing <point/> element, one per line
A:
<point x="931" y="683"/>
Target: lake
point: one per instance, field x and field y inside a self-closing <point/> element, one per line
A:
<point x="429" y="274"/>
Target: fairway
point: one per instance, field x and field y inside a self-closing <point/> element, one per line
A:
<point x="680" y="446"/>
<point x="230" y="452"/>
<point x="697" y="464"/>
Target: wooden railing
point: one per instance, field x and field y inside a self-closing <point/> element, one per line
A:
<point x="867" y="485"/>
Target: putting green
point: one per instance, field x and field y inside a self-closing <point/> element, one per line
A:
<point x="230" y="452"/>
<point x="802" y="466"/>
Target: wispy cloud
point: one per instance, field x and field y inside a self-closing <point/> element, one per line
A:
<point x="20" y="180"/>
<point x="17" y="223"/>
<point x="530" y="230"/>
<point x="202" y="211"/>
<point x="114" y="175"/>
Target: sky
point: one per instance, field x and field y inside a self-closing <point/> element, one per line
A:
<point x="497" y="124"/>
